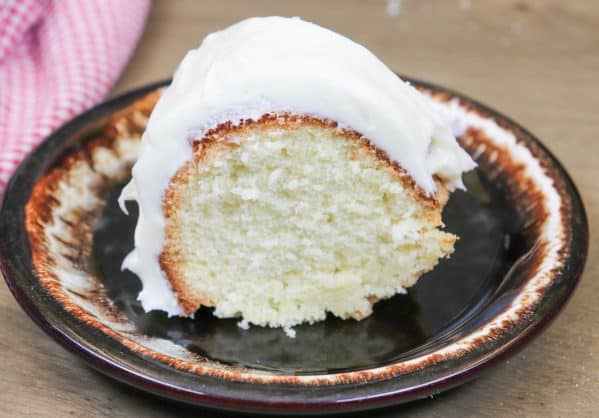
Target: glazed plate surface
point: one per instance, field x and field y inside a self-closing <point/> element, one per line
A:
<point x="523" y="243"/>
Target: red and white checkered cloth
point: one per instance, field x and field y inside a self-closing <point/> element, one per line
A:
<point x="58" y="58"/>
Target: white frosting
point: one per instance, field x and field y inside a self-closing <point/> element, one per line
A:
<point x="272" y="64"/>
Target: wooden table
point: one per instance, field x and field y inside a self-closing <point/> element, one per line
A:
<point x="535" y="61"/>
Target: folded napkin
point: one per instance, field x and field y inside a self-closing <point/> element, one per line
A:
<point x="57" y="59"/>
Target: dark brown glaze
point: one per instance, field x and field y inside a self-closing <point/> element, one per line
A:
<point x="46" y="197"/>
<point x="527" y="197"/>
<point x="523" y="193"/>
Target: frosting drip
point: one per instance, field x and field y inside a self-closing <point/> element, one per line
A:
<point x="272" y="64"/>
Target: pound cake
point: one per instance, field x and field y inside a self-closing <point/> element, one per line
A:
<point x="286" y="173"/>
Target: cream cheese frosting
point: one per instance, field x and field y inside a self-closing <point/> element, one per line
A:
<point x="276" y="64"/>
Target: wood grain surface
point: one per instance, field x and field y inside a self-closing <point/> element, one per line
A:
<point x="536" y="61"/>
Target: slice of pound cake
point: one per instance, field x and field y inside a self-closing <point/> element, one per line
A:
<point x="287" y="173"/>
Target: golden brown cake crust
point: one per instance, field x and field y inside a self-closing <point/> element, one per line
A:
<point x="227" y="135"/>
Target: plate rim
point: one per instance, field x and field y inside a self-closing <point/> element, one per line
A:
<point x="146" y="383"/>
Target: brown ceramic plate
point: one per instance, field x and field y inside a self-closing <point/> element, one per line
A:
<point x="522" y="249"/>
